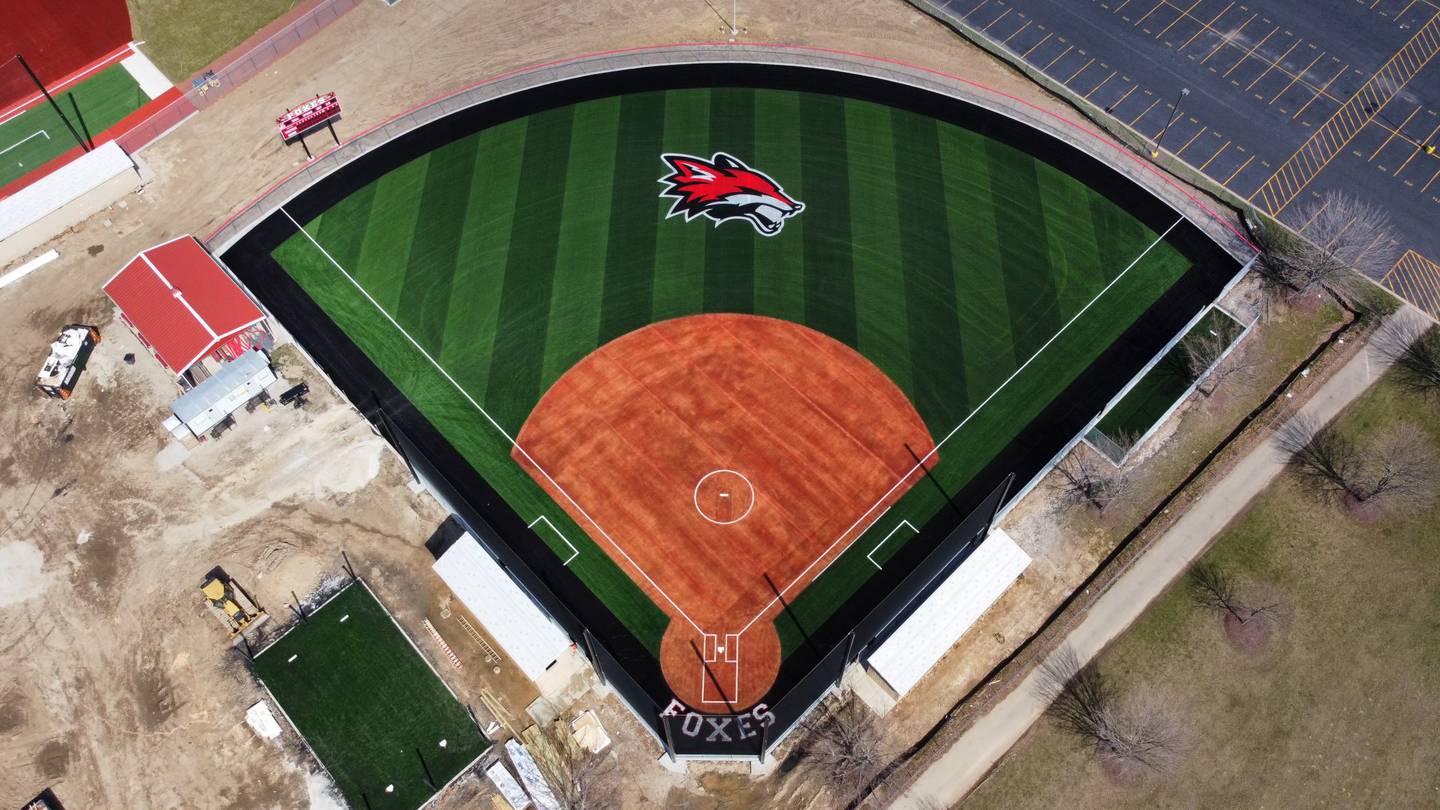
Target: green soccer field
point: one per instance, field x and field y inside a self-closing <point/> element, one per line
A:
<point x="368" y="704"/>
<point x="94" y="105"/>
<point x="958" y="264"/>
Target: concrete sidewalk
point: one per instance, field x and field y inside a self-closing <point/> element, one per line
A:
<point x="951" y="777"/>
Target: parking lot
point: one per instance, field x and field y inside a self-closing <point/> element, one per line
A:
<point x="1286" y="99"/>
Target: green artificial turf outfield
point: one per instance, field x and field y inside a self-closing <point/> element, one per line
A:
<point x="92" y="106"/>
<point x="365" y="701"/>
<point x="1162" y="386"/>
<point x="945" y="257"/>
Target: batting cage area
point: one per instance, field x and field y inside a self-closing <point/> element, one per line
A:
<point x="737" y="360"/>
<point x="374" y="713"/>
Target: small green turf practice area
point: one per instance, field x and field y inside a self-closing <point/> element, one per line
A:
<point x="94" y="105"/>
<point x="369" y="706"/>
<point x="946" y="257"/>
<point x="1164" y="384"/>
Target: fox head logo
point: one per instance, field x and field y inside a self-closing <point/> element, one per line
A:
<point x="723" y="188"/>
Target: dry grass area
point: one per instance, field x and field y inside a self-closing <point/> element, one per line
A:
<point x="1337" y="710"/>
<point x="184" y="36"/>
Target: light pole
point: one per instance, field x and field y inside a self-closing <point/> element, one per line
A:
<point x="734" y="19"/>
<point x="1174" y="113"/>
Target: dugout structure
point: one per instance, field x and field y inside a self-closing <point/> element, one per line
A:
<point x="378" y="718"/>
<point x="509" y="270"/>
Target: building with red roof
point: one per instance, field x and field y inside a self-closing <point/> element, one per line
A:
<point x="187" y="310"/>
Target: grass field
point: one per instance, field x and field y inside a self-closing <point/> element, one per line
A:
<point x="946" y="258"/>
<point x="366" y="701"/>
<point x="1338" y="711"/>
<point x="94" y="105"/>
<point x="185" y="36"/>
<point x="1162" y="386"/>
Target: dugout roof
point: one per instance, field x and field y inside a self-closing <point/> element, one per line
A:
<point x="181" y="301"/>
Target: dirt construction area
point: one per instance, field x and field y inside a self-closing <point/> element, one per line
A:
<point x="119" y="689"/>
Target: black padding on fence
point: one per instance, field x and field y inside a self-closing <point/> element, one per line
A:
<point x="889" y="595"/>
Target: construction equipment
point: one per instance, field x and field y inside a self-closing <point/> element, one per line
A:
<point x="68" y="354"/>
<point x="295" y="395"/>
<point x="230" y="602"/>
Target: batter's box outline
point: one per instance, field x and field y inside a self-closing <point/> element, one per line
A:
<point x="713" y="653"/>
<point x="574" y="552"/>
<point x="904" y="522"/>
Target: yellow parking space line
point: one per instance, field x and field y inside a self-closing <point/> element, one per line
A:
<point x="1147" y="112"/>
<point x="1116" y="105"/>
<point x="1429" y="139"/>
<point x="1204" y="27"/>
<point x="1393" y="133"/>
<point x="1212" y="157"/>
<point x="1297" y="78"/>
<point x="1237" y="171"/>
<point x="1249" y="53"/>
<point x="1192" y="139"/>
<point x="1320" y="92"/>
<point x="1026" y="55"/>
<point x="996" y="20"/>
<point x="1148" y="13"/>
<point x="1273" y="64"/>
<point x="1081" y="70"/>
<point x="1225" y="40"/>
<point x="1182" y="15"/>
<point x="1102" y="83"/>
<point x="1006" y="41"/>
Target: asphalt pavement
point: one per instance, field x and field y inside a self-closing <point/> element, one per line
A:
<point x="1285" y="100"/>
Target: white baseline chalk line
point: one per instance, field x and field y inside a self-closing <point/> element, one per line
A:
<point x="574" y="552"/>
<point x="920" y="464"/>
<point x="490" y="419"/>
<point x="34" y="134"/>
<point x="871" y="554"/>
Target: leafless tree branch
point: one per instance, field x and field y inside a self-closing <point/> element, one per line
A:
<point x="1340" y="233"/>
<point x="1204" y="352"/>
<point x="579" y="779"/>
<point x="1083" y="481"/>
<point x="1084" y="704"/>
<point x="841" y="747"/>
<point x="1398" y="467"/>
<point x="1212" y="588"/>
<point x="1414" y="350"/>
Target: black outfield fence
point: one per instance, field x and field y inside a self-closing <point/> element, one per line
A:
<point x="867" y="617"/>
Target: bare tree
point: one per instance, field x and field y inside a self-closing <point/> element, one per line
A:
<point x="1398" y="467"/>
<point x="1212" y="588"/>
<point x="1127" y="735"/>
<point x="1203" y="353"/>
<point x="579" y="779"/>
<point x="1340" y="233"/>
<point x="1414" y="350"/>
<point x="841" y="747"/>
<point x="1084" y="481"/>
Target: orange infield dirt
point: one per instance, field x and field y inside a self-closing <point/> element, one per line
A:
<point x="710" y="451"/>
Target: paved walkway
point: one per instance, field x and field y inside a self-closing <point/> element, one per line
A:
<point x="972" y="756"/>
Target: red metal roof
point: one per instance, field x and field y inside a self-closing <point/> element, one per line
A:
<point x="181" y="301"/>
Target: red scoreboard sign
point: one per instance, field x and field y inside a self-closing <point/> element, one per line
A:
<point x="307" y="116"/>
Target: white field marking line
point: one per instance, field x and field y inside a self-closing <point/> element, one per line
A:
<point x="870" y="555"/>
<point x="574" y="552"/>
<point x="732" y="646"/>
<point x="705" y="673"/>
<point x="24" y="139"/>
<point x="708" y="643"/>
<point x="695" y="497"/>
<point x="489" y="418"/>
<point x="921" y="463"/>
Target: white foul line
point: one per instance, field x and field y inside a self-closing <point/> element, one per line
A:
<point x="871" y="555"/>
<point x="919" y="464"/>
<point x="490" y="419"/>
<point x="24" y="139"/>
<point x="574" y="552"/>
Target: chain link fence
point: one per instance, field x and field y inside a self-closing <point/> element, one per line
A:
<point x="213" y="85"/>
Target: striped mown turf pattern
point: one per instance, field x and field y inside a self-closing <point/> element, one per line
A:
<point x="947" y="258"/>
